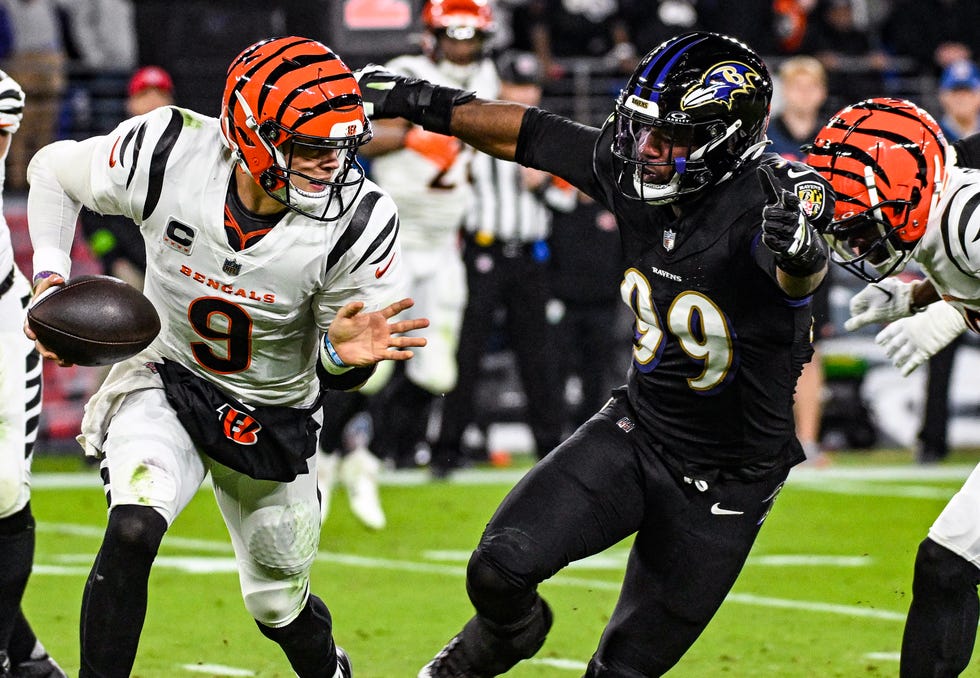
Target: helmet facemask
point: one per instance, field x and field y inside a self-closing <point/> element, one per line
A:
<point x="868" y="243"/>
<point x="663" y="159"/>
<point x="317" y="196"/>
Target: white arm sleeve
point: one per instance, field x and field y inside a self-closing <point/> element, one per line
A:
<point x="60" y="178"/>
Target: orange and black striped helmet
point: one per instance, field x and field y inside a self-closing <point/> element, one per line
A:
<point x="886" y="161"/>
<point x="291" y="97"/>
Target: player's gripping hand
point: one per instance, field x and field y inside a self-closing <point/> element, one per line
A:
<point x="389" y="95"/>
<point x="798" y="248"/>
<point x="880" y="302"/>
<point x="11" y="104"/>
<point x="44" y="284"/>
<point x="911" y="341"/>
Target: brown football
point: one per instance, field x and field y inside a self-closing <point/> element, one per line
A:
<point x="94" y="320"/>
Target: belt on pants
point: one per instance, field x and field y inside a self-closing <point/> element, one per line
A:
<point x="511" y="249"/>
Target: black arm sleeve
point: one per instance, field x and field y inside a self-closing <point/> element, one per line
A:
<point x="968" y="151"/>
<point x="561" y="147"/>
<point x="350" y="379"/>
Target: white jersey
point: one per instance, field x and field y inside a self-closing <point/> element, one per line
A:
<point x="949" y="252"/>
<point x="20" y="379"/>
<point x="251" y="320"/>
<point x="432" y="201"/>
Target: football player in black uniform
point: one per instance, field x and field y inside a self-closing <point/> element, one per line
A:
<point x="721" y="257"/>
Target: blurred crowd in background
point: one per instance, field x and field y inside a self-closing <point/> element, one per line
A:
<point x="84" y="66"/>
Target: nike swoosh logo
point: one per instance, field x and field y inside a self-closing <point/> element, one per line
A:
<point x="380" y="271"/>
<point x="719" y="511"/>
<point x="793" y="174"/>
<point x="112" y="153"/>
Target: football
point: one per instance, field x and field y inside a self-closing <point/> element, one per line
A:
<point x="94" y="320"/>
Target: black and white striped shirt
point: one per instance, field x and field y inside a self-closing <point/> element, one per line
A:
<point x="505" y="208"/>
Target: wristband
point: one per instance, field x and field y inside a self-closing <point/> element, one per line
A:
<point x="332" y="362"/>
<point x="38" y="277"/>
<point x="914" y="307"/>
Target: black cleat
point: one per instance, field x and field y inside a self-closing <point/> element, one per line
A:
<point x="449" y="663"/>
<point x="45" y="667"/>
<point x="344" y="669"/>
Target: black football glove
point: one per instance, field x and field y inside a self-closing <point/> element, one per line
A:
<point x="798" y="248"/>
<point x="389" y="95"/>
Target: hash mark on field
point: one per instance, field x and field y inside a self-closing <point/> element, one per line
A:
<point x="216" y="670"/>
<point x="884" y="656"/>
<point x="566" y="664"/>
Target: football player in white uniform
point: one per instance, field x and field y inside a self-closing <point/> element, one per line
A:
<point x="21" y="653"/>
<point x="903" y="193"/>
<point x="271" y="261"/>
<point x="427" y="175"/>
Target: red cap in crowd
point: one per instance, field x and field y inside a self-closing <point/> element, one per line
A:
<point x="150" y="76"/>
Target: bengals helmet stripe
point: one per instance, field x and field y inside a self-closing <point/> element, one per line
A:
<point x="886" y="161"/>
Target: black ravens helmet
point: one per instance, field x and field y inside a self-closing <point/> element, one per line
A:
<point x="694" y="110"/>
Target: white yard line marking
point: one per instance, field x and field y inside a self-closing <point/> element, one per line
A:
<point x="207" y="564"/>
<point x="616" y="560"/>
<point x="415" y="477"/>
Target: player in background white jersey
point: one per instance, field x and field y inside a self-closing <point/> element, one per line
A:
<point x="427" y="175"/>
<point x="276" y="270"/>
<point x="903" y="193"/>
<point x="21" y="653"/>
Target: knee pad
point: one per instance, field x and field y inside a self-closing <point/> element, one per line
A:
<point x="939" y="568"/>
<point x="136" y="529"/>
<point x="489" y="584"/>
<point x="283" y="540"/>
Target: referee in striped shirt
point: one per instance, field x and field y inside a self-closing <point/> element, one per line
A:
<point x="506" y="254"/>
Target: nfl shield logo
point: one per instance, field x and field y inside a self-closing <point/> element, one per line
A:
<point x="231" y="267"/>
<point x="669" y="238"/>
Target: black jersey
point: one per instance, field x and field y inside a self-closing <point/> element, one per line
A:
<point x="718" y="346"/>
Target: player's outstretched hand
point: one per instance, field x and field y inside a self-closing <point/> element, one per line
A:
<point x="363" y="339"/>
<point x="389" y="95"/>
<point x="880" y="302"/>
<point x="783" y="224"/>
<point x="911" y="341"/>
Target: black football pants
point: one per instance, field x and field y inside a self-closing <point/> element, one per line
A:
<point x="597" y="488"/>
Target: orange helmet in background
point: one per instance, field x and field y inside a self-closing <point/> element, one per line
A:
<point x="440" y="15"/>
<point x="285" y="95"/>
<point x="470" y="22"/>
<point x="886" y="161"/>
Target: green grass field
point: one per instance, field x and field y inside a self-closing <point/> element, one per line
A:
<point x="824" y="594"/>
